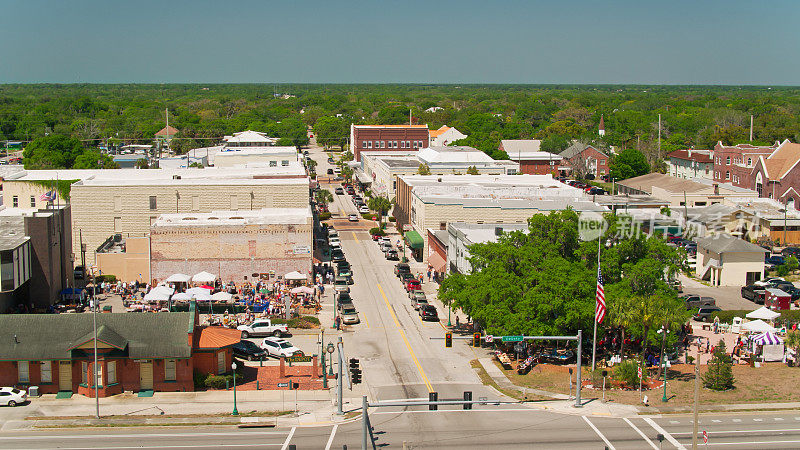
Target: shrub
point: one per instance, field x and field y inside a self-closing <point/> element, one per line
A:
<point x="107" y="278"/>
<point x="219" y="381"/>
<point x="370" y="216"/>
<point x="719" y="376"/>
<point x="376" y="230"/>
<point x="626" y="373"/>
<point x="199" y="379"/>
<point x="324" y="215"/>
<point x="304" y="322"/>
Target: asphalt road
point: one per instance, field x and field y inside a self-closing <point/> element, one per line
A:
<point x="502" y="427"/>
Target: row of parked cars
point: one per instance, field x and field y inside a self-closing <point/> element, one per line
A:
<point x="757" y="291"/>
<point x="587" y="188"/>
<point x="385" y="246"/>
<point x="415" y="293"/>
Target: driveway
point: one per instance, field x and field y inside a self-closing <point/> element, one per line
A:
<point x="728" y="297"/>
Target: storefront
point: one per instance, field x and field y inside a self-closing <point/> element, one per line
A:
<point x="415" y="244"/>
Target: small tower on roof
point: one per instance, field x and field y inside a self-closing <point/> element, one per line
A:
<point x="602" y="129"/>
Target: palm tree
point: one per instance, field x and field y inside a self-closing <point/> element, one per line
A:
<point x="380" y="204"/>
<point x="793" y="341"/>
<point x="323" y="197"/>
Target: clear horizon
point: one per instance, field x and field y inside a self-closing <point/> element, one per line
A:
<point x="577" y="42"/>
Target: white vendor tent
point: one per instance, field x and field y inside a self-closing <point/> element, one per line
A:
<point x="763" y="313"/>
<point x="204" y="277"/>
<point x="758" y="326"/>
<point x="221" y="296"/>
<point x="295" y="276"/>
<point x="159" y="293"/>
<point x="179" y="278"/>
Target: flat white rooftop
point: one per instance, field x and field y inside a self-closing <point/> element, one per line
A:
<point x="265" y="216"/>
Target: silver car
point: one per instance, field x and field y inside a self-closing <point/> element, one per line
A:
<point x="349" y="315"/>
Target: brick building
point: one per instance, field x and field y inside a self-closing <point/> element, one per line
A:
<point x="777" y="176"/>
<point x="532" y="161"/>
<point x="734" y="164"/>
<point x="581" y="159"/>
<point x="364" y="138"/>
<point x="235" y="245"/>
<point x="136" y="352"/>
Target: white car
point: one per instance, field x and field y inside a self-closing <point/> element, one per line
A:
<point x="334" y="241"/>
<point x="263" y="327"/>
<point x="353" y="218"/>
<point x="332" y="232"/>
<point x="280" y="347"/>
<point x="363" y="210"/>
<point x="12" y="396"/>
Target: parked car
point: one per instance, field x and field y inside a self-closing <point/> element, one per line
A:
<point x="375" y="237"/>
<point x="385" y="246"/>
<point x="344" y="265"/>
<point x="676" y="284"/>
<point x="754" y="293"/>
<point x="428" y="312"/>
<point x="263" y="327"/>
<point x="413" y="284"/>
<point x="791" y="251"/>
<point x="775" y="260"/>
<point x="337" y="255"/>
<point x="339" y="191"/>
<point x="12" y="396"/>
<point x="704" y="314"/>
<point x="349" y="316"/>
<point x="340" y="284"/>
<point x="330" y="161"/>
<point x="594" y="190"/>
<point x="248" y="350"/>
<point x="418" y="302"/>
<point x="344" y="271"/>
<point x="353" y="217"/>
<point x="401" y="268"/>
<point x="330" y="172"/>
<point x="344" y="300"/>
<point x="419" y="293"/>
<point x="695" y="301"/>
<point x="280" y="347"/>
<point x="363" y="210"/>
<point x="334" y="241"/>
<point x="79" y="272"/>
<point x="392" y="255"/>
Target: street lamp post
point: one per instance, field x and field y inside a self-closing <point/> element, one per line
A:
<point x="664" y="332"/>
<point x="331" y="349"/>
<point x="235" y="411"/>
<point x="322" y="347"/>
<point x="449" y="324"/>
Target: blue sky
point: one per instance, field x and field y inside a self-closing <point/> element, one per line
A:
<point x="342" y="41"/>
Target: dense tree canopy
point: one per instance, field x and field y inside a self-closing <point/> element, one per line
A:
<point x="628" y="163"/>
<point x="543" y="281"/>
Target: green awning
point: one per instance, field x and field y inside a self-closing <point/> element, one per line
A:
<point x="414" y="240"/>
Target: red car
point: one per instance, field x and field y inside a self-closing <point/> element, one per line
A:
<point x="413" y="285"/>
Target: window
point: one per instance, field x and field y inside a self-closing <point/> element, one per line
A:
<point x="220" y="363"/>
<point x="727" y="160"/>
<point x="84" y="371"/>
<point x="402" y="144"/>
<point x="118" y="224"/>
<point x="46" y="372"/>
<point x="111" y="367"/>
<point x="285" y="163"/>
<point x="195" y="203"/>
<point x="395" y="144"/>
<point x="442" y="225"/>
<point x="15" y="201"/>
<point x="383" y="144"/>
<point x="23" y="375"/>
<point x="408" y="144"/>
<point x="234" y="203"/>
<point x="153" y="203"/>
<point x="363" y="144"/>
<point x="369" y="144"/>
<point x="273" y="163"/>
<point x="749" y="162"/>
<point x="727" y="174"/>
<point x="99" y="375"/>
<point x="416" y="144"/>
<point x="169" y="369"/>
<point x="33" y="201"/>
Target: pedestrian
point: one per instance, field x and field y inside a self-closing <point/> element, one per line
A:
<point x="708" y="344"/>
<point x="338" y="321"/>
<point x="458" y="322"/>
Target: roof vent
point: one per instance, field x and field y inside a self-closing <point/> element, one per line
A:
<point x="176" y="177"/>
<point x="439" y="180"/>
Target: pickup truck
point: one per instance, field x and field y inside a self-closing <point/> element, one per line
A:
<point x="754" y="293"/>
<point x="695" y="301"/>
<point x="400" y="268"/>
<point x="340" y="284"/>
<point x="263" y="327"/>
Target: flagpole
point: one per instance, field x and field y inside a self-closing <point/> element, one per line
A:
<point x="594" y="339"/>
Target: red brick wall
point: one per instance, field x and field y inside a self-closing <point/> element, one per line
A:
<point x="585" y="156"/>
<point x="538" y="167"/>
<point x="388" y="134"/>
<point x="205" y="361"/>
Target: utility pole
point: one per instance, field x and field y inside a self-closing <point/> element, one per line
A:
<point x="785" y="209"/>
<point x="751" y="128"/>
<point x="94" y="367"/>
<point x="340" y="381"/>
<point x="696" y="399"/>
<point x="659" y="135"/>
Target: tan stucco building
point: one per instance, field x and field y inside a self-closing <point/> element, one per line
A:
<point x="728" y="261"/>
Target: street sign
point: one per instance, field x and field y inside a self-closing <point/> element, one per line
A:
<point x="512" y="338"/>
<point x="283" y="384"/>
<point x="639" y="371"/>
<point x="299" y="358"/>
<point x="705" y="437"/>
<point x="489" y="338"/>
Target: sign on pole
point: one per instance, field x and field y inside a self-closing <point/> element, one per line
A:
<point x="489" y="338"/>
<point x="280" y="385"/>
<point x="512" y="338"/>
<point x="299" y="358"/>
<point x="705" y="437"/>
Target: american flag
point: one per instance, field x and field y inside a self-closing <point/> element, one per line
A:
<point x="48" y="196"/>
<point x="600" y="307"/>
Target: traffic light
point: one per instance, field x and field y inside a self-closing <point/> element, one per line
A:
<point x="476" y="340"/>
<point x="433" y="397"/>
<point x="467" y="398"/>
<point x="355" y="371"/>
<point x="448" y="340"/>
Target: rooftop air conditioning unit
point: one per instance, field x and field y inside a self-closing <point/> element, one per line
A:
<point x="176" y="177"/>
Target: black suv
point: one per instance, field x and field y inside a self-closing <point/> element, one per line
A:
<point x="248" y="350"/>
<point x="754" y="293"/>
<point x="704" y="314"/>
<point x="400" y="268"/>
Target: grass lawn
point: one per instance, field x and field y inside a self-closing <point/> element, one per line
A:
<point x="772" y="382"/>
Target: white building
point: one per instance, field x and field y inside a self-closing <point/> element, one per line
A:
<point x="380" y="170"/>
<point x="689" y="163"/>
<point x="728" y="261"/>
<point x="462" y="235"/>
<point x="248" y="139"/>
<point x="445" y="136"/>
<point x="270" y="156"/>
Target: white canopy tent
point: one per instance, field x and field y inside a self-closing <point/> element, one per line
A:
<point x="295" y="276"/>
<point x="763" y="313"/>
<point x="758" y="326"/>
<point x="221" y="296"/>
<point x="159" y="293"/>
<point x="179" y="278"/>
<point x="302" y="290"/>
<point x="181" y="296"/>
<point x="200" y="294"/>
<point x="204" y="277"/>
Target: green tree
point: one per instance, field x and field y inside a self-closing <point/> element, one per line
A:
<point x="423" y="170"/>
<point x="719" y="376"/>
<point x="381" y="205"/>
<point x="628" y="163"/>
<point x="555" y="143"/>
<point x="332" y="131"/>
<point x="94" y="160"/>
<point x="52" y="152"/>
<point x="793" y="342"/>
<point x="323" y="197"/>
<point x="472" y="170"/>
<point x="141" y="163"/>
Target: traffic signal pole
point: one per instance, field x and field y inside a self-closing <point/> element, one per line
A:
<point x="340" y="383"/>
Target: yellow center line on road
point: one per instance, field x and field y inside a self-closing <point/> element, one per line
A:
<point x="405" y="339"/>
<point x="354" y="236"/>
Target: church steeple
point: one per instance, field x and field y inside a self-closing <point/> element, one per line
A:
<point x="602" y="129"/>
